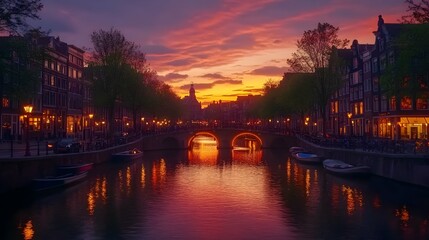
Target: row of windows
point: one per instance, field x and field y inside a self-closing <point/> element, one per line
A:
<point x="56" y="66"/>
<point x="53" y="99"/>
<point x="74" y="73"/>
<point x="76" y="60"/>
<point x="391" y="105"/>
<point x="54" y="81"/>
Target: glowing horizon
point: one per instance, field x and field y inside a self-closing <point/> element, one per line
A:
<point x="226" y="48"/>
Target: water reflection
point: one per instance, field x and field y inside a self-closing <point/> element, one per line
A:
<point x="28" y="230"/>
<point x="208" y="193"/>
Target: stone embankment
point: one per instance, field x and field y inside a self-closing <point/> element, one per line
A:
<point x="409" y="168"/>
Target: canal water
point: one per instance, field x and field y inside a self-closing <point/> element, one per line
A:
<point x="207" y="193"/>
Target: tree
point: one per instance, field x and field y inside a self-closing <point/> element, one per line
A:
<point x="408" y="75"/>
<point x="418" y="11"/>
<point x="110" y="70"/>
<point x="13" y="14"/>
<point x="313" y="56"/>
<point x="20" y="63"/>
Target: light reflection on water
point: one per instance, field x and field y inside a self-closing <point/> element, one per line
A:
<point x="221" y="194"/>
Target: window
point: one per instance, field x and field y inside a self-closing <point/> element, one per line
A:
<point x="366" y="67"/>
<point x="375" y="65"/>
<point x="360" y="92"/>
<point x="5" y="102"/>
<point x="355" y="77"/>
<point x="406" y="103"/>
<point x="383" y="104"/>
<point x="334" y="107"/>
<point x="392" y="105"/>
<point x="367" y="85"/>
<point x="422" y="104"/>
<point x="375" y="84"/>
<point x="375" y="104"/>
<point x="367" y="104"/>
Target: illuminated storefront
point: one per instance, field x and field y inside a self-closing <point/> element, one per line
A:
<point x="401" y="127"/>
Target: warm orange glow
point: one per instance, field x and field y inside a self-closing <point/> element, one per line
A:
<point x="28" y="230"/>
<point x="28" y="108"/>
<point x="202" y="134"/>
<point x="244" y="134"/>
<point x="307" y="182"/>
<point x="143" y="177"/>
<point x="403" y="215"/>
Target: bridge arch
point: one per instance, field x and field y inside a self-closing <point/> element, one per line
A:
<point x="257" y="138"/>
<point x="203" y="133"/>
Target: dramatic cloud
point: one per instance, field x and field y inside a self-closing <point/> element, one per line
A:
<point x="226" y="38"/>
<point x="270" y="71"/>
<point x="173" y="77"/>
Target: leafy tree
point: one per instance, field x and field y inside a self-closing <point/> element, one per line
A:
<point x="20" y="64"/>
<point x="418" y="11"/>
<point x="313" y="56"/>
<point x="110" y="69"/>
<point x="408" y="76"/>
<point x="13" y="14"/>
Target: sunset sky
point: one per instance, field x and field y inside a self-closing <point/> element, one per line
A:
<point x="225" y="48"/>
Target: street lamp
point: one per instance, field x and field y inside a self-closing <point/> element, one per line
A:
<point x="28" y="109"/>
<point x="349" y="115"/>
<point x="90" y="129"/>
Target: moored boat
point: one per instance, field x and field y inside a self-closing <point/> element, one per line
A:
<point x="74" y="168"/>
<point x="127" y="155"/>
<point x="341" y="168"/>
<point x="306" y="157"/>
<point x="293" y="150"/>
<point x="52" y="182"/>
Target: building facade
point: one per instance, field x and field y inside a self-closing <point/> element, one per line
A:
<point x="364" y="107"/>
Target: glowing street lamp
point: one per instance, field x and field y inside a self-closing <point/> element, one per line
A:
<point x="91" y="116"/>
<point x="28" y="109"/>
<point x="349" y="115"/>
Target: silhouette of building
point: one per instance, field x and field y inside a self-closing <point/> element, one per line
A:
<point x="191" y="106"/>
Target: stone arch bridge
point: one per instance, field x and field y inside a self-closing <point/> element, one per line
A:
<point x="226" y="138"/>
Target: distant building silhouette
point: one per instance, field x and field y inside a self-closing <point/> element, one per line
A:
<point x="191" y="106"/>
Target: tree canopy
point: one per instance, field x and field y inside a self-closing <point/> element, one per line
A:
<point x="313" y="55"/>
<point x="418" y="11"/>
<point x="14" y="13"/>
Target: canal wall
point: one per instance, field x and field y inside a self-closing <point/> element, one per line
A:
<point x="408" y="168"/>
<point x="17" y="173"/>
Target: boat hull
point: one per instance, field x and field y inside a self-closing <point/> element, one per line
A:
<point x="49" y="183"/>
<point x="74" y="168"/>
<point x="127" y="155"/>
<point x="343" y="169"/>
<point x="306" y="157"/>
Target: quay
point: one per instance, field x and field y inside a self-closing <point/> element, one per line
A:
<point x="16" y="173"/>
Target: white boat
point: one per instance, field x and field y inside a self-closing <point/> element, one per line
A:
<point x="306" y="157"/>
<point x="296" y="150"/>
<point x="127" y="155"/>
<point x="48" y="183"/>
<point x="341" y="168"/>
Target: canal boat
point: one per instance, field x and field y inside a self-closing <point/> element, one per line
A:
<point x="128" y="155"/>
<point x="74" y="168"/>
<point x="306" y="157"/>
<point x="293" y="150"/>
<point x="54" y="182"/>
<point x="341" y="168"/>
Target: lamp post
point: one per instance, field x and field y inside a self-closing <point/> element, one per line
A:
<point x="28" y="109"/>
<point x="91" y="116"/>
<point x="349" y="115"/>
